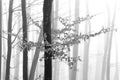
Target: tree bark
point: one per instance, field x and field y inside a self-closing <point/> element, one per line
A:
<point x="9" y="41"/>
<point x="25" y="37"/>
<point x="47" y="8"/>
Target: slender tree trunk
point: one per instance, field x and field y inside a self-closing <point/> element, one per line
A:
<point x="105" y="51"/>
<point x="0" y="36"/>
<point x="47" y="8"/>
<point x="9" y="41"/>
<point x="25" y="38"/>
<point x="86" y="47"/>
<point x="17" y="57"/>
<point x="116" y="75"/>
<point x="110" y="44"/>
<point x="4" y="61"/>
<point x="35" y="59"/>
<point x="55" y="25"/>
<point x="75" y="48"/>
<point x="107" y="54"/>
<point x="98" y="62"/>
<point x="17" y="64"/>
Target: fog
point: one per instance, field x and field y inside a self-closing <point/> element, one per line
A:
<point x="100" y="58"/>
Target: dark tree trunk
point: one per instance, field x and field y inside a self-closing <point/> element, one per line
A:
<point x="47" y="6"/>
<point x="25" y="50"/>
<point x="0" y="35"/>
<point x="9" y="41"/>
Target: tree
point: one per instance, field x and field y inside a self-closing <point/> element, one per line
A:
<point x="75" y="47"/>
<point x="0" y="36"/>
<point x="47" y="6"/>
<point x="86" y="46"/>
<point x="110" y="44"/>
<point x="35" y="59"/>
<point x="55" y="11"/>
<point x="25" y="37"/>
<point x="9" y="41"/>
<point x="116" y="75"/>
<point x="105" y="51"/>
<point x="37" y="51"/>
<point x="98" y="62"/>
<point x="17" y="57"/>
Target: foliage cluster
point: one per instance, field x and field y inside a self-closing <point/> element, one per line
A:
<point x="62" y="40"/>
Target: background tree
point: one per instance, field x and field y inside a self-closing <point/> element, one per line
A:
<point x="75" y="47"/>
<point x="35" y="58"/>
<point x="25" y="38"/>
<point x="86" y="46"/>
<point x="116" y="75"/>
<point x="17" y="57"/>
<point x="9" y="44"/>
<point x="110" y="44"/>
<point x="105" y="50"/>
<point x="0" y="36"/>
<point x="54" y="19"/>
<point x="47" y="8"/>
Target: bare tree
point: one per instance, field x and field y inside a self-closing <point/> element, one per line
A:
<point x="47" y="8"/>
<point x="9" y="41"/>
<point x="25" y="38"/>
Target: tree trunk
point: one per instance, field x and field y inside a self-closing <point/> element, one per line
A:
<point x="105" y="51"/>
<point x="47" y="6"/>
<point x="98" y="61"/>
<point x="25" y="37"/>
<point x="56" y="64"/>
<point x="86" y="47"/>
<point x="17" y="57"/>
<point x="75" y="48"/>
<point x="4" y="60"/>
<point x="110" y="44"/>
<point x="116" y="75"/>
<point x="0" y="36"/>
<point x="9" y="41"/>
<point x="35" y="59"/>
